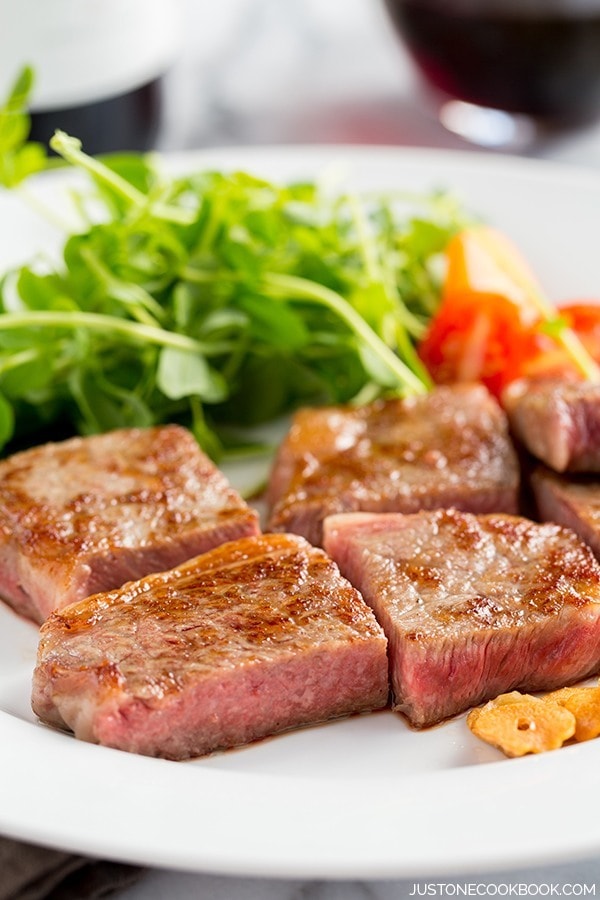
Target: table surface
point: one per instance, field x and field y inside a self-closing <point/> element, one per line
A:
<point x="272" y="72"/>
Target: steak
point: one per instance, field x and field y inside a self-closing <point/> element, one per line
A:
<point x="254" y="637"/>
<point x="570" y="500"/>
<point x="448" y="448"/>
<point x="472" y="606"/>
<point x="558" y="421"/>
<point x="87" y="514"/>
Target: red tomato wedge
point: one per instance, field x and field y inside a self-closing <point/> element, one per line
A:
<point x="584" y="318"/>
<point x="491" y="323"/>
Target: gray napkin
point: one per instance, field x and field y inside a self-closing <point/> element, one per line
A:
<point x="28" y="872"/>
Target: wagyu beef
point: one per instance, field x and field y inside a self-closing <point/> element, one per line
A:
<point x="88" y="514"/>
<point x="570" y="500"/>
<point x="558" y="421"/>
<point x="473" y="606"/>
<point x="448" y="448"/>
<point x="259" y="635"/>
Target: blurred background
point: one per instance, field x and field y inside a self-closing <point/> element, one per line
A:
<point x="250" y="72"/>
<point x="266" y="71"/>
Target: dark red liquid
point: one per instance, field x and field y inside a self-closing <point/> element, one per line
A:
<point x="547" y="65"/>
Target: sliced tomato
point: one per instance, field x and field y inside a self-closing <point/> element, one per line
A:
<point x="584" y="319"/>
<point x="491" y="324"/>
<point x="547" y="358"/>
<point x="485" y="341"/>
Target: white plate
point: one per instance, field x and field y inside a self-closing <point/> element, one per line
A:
<point x="366" y="797"/>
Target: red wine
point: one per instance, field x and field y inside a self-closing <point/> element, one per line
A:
<point x="544" y="63"/>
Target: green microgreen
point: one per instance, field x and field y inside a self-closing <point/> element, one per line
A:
<point x="217" y="299"/>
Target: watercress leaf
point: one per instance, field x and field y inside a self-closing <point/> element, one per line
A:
<point x="13" y="131"/>
<point x="43" y="291"/>
<point x="136" y="168"/>
<point x="238" y="253"/>
<point x="18" y="159"/>
<point x="263" y="390"/>
<point x="272" y="322"/>
<point x="202" y="260"/>
<point x="205" y="432"/>
<point x="102" y="406"/>
<point x="30" y="374"/>
<point x="220" y="322"/>
<point x="184" y="374"/>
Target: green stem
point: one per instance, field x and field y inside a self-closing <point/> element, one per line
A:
<point x="375" y="269"/>
<point x="70" y="149"/>
<point x="204" y="276"/>
<point x="103" y="323"/>
<point x="304" y="289"/>
<point x="19" y="359"/>
<point x="366" y="243"/>
<point x="134" y="297"/>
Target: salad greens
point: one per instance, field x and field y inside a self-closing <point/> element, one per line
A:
<point x="217" y="299"/>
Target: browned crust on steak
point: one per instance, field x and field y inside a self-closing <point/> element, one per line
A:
<point x="88" y="514"/>
<point x="472" y="606"/>
<point x="257" y="636"/>
<point x="448" y="448"/>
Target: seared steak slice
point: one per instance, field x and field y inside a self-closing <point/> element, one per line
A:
<point x="88" y="514"/>
<point x="572" y="500"/>
<point x="558" y="421"/>
<point x="259" y="635"/>
<point x="448" y="448"/>
<point x="472" y="606"/>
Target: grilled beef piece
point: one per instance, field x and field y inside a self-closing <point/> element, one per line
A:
<point x="472" y="606"/>
<point x="570" y="500"/>
<point x="259" y="635"/>
<point x="558" y="421"/>
<point x="88" y="514"/>
<point x="448" y="448"/>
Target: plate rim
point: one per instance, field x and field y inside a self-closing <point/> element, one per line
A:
<point x="515" y="776"/>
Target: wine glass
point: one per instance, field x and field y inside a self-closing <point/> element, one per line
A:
<point x="506" y="72"/>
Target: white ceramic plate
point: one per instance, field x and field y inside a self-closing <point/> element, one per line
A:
<point x="366" y="797"/>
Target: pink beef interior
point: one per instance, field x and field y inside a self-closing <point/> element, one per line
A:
<point x="89" y="514"/>
<point x="570" y="500"/>
<point x="259" y="635"/>
<point x="558" y="421"/>
<point x="472" y="605"/>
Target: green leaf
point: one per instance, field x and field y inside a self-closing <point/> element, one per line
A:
<point x="204" y="433"/>
<point x="182" y="374"/>
<point x="102" y="406"/>
<point x="27" y="378"/>
<point x="263" y="392"/>
<point x="18" y="159"/>
<point x="274" y="323"/>
<point x="213" y="290"/>
<point x="554" y="327"/>
<point x="43" y="291"/>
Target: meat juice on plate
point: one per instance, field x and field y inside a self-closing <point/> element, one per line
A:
<point x="536" y="57"/>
